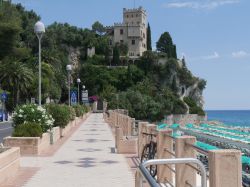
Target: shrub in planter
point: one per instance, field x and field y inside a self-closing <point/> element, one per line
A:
<point x="72" y="113"/>
<point x="29" y="129"/>
<point x="79" y="110"/>
<point x="60" y="113"/>
<point x="32" y="113"/>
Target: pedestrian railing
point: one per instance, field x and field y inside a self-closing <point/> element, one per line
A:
<point x="144" y="172"/>
<point x="224" y="165"/>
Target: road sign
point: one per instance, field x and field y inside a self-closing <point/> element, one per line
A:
<point x="4" y="96"/>
<point x="73" y="97"/>
<point x="85" y="95"/>
<point x="32" y="100"/>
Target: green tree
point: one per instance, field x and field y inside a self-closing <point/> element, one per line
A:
<point x="98" y="28"/>
<point x="165" y="44"/>
<point x="116" y="55"/>
<point x="17" y="78"/>
<point x="149" y="45"/>
<point x="147" y="61"/>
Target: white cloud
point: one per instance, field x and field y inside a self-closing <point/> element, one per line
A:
<point x="215" y="55"/>
<point x="200" y="4"/>
<point x="240" y="54"/>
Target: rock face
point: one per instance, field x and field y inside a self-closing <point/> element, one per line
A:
<point x="74" y="56"/>
<point x="180" y="79"/>
<point x="193" y="92"/>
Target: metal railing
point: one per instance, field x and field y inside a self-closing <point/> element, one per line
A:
<point x="153" y="183"/>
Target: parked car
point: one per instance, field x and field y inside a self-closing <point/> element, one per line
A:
<point x="3" y="115"/>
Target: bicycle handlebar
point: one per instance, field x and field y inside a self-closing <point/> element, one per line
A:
<point x="149" y="134"/>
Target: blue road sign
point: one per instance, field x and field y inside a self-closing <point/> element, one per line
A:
<point x="4" y="96"/>
<point x="73" y="97"/>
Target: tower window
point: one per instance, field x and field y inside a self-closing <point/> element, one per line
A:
<point x="143" y="35"/>
<point x="121" y="31"/>
<point x="133" y="42"/>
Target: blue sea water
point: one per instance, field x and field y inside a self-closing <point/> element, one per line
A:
<point x="230" y="117"/>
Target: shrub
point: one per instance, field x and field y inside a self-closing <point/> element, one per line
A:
<point x="79" y="110"/>
<point x="193" y="108"/>
<point x="72" y="113"/>
<point x="29" y="129"/>
<point x="32" y="113"/>
<point x="60" y="113"/>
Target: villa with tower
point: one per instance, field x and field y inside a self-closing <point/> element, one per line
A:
<point x="131" y="32"/>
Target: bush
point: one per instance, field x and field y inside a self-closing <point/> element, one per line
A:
<point x="60" y="113"/>
<point x="72" y="113"/>
<point x="193" y="108"/>
<point x="29" y="129"/>
<point x="34" y="114"/>
<point x="79" y="110"/>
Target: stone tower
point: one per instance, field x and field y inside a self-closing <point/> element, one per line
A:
<point x="132" y="31"/>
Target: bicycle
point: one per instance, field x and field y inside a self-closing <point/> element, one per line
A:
<point x="149" y="152"/>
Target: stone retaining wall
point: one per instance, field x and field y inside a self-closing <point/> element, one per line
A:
<point x="36" y="145"/>
<point x="9" y="163"/>
<point x="29" y="145"/>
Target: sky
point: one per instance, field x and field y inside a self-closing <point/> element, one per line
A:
<point x="213" y="35"/>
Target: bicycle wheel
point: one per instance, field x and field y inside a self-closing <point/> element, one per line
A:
<point x="145" y="153"/>
<point x="152" y="155"/>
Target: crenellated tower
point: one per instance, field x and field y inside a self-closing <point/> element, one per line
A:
<point x="132" y="31"/>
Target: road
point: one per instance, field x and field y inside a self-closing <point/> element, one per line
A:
<point x="5" y="130"/>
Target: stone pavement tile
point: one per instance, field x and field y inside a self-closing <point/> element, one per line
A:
<point x="83" y="160"/>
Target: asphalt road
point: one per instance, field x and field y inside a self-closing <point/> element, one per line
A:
<point x="5" y="130"/>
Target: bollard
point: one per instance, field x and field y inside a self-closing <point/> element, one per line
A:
<point x="118" y="137"/>
<point x="164" y="174"/>
<point x="225" y="168"/>
<point x="185" y="175"/>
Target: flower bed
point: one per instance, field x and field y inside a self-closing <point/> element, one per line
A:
<point x="33" y="131"/>
<point x="9" y="163"/>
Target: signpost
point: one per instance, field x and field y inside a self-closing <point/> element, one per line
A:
<point x="4" y="98"/>
<point x="73" y="97"/>
<point x="33" y="100"/>
<point x="85" y="97"/>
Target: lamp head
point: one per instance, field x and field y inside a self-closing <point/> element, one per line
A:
<point x="39" y="28"/>
<point x="69" y="67"/>
<point x="78" y="80"/>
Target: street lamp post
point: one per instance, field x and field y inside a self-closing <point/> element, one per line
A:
<point x="78" y="82"/>
<point x="69" y="69"/>
<point x="39" y="29"/>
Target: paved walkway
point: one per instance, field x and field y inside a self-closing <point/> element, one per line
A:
<point x="85" y="160"/>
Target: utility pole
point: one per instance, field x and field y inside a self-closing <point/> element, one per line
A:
<point x="134" y="3"/>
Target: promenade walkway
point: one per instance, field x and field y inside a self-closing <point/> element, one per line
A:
<point x="85" y="160"/>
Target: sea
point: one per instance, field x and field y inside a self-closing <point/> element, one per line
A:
<point x="230" y="117"/>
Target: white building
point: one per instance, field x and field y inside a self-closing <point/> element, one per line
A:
<point x="132" y="31"/>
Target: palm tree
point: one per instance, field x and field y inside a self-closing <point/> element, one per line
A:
<point x="16" y="77"/>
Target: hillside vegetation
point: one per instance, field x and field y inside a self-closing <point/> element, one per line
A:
<point x="147" y="88"/>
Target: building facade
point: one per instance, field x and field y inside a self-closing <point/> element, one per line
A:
<point x="131" y="32"/>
